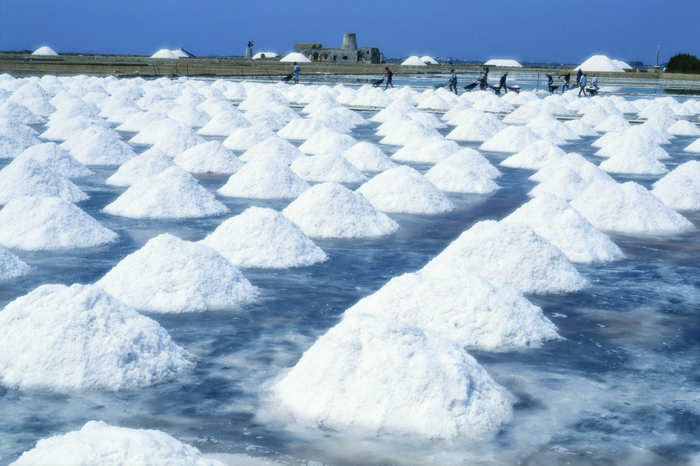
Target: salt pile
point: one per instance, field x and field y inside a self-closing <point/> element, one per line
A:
<point x="16" y="131"/>
<point x="456" y="177"/>
<point x="511" y="254"/>
<point x="171" y="275"/>
<point x="469" y="310"/>
<point x="372" y="98"/>
<point x="173" y="193"/>
<point x="99" y="146"/>
<point x="246" y="138"/>
<point x="329" y="210"/>
<point x="633" y="160"/>
<point x="493" y="104"/>
<point x="404" y="190"/>
<point x="190" y="116"/>
<point x="684" y="128"/>
<point x="627" y="209"/>
<point x="545" y="122"/>
<point x="140" y="121"/>
<point x="150" y="163"/>
<point x="360" y="377"/>
<point x="512" y="139"/>
<point x="434" y="102"/>
<point x="9" y="147"/>
<point x="49" y="223"/>
<point x="99" y="443"/>
<point x="266" y="118"/>
<point x="20" y="113"/>
<point x="327" y="168"/>
<point x="612" y="123"/>
<point x="171" y="137"/>
<point x="564" y="183"/>
<point x="80" y="338"/>
<point x="210" y="157"/>
<point x="264" y="179"/>
<point x="274" y="148"/>
<point x="594" y="115"/>
<point x="427" y="150"/>
<point x="27" y="177"/>
<point x="473" y="159"/>
<point x="694" y="147"/>
<point x="679" y="192"/>
<point x="327" y="141"/>
<point x="57" y="160"/>
<point x="633" y="145"/>
<point x="404" y="132"/>
<point x="690" y="169"/>
<point x="302" y="129"/>
<point x="11" y="266"/>
<point x="264" y="238"/>
<point x="555" y="220"/>
<point x="581" y="128"/>
<point x="367" y="157"/>
<point x="522" y="115"/>
<point x="534" y="156"/>
<point x="475" y="131"/>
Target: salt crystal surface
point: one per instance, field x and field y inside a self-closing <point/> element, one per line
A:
<point x="693" y="147"/>
<point x="264" y="238"/>
<point x="511" y="139"/>
<point x="264" y="179"/>
<point x="404" y="190"/>
<point x="327" y="141"/>
<point x="139" y="121"/>
<point x="10" y="147"/>
<point x="360" y="377"/>
<point x="521" y="115"/>
<point x="99" y="443"/>
<point x="11" y="266"/>
<point x="612" y="123"/>
<point x="49" y="223"/>
<point x="512" y="254"/>
<point x="581" y="128"/>
<point x="330" y="210"/>
<point x="190" y="116"/>
<point x="585" y="169"/>
<point x="149" y="163"/>
<point x="20" y="113"/>
<point x="27" y="177"/>
<point x="679" y="192"/>
<point x="469" y="310"/>
<point x="99" y="146"/>
<point x="57" y="159"/>
<point x="555" y="220"/>
<point x="302" y="129"/>
<point x="16" y="131"/>
<point x="684" y="128"/>
<point x="426" y="150"/>
<point x="534" y="156"/>
<point x="472" y="158"/>
<point x="246" y="138"/>
<point x="367" y="157"/>
<point x="630" y="144"/>
<point x="633" y="160"/>
<point x="210" y="157"/>
<point x="564" y="182"/>
<point x="79" y="337"/>
<point x="171" y="137"/>
<point x="173" y="193"/>
<point x="406" y="131"/>
<point x="455" y="177"/>
<point x="627" y="209"/>
<point x="327" y="168"/>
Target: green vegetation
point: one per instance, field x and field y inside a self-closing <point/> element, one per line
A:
<point x="683" y="63"/>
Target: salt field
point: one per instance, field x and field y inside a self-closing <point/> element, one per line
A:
<point x="234" y="272"/>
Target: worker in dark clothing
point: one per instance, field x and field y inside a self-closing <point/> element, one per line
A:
<point x="578" y="77"/>
<point x="567" y="79"/>
<point x="453" y="81"/>
<point x="582" y="85"/>
<point x="484" y="78"/>
<point x="502" y="83"/>
<point x="389" y="75"/>
<point x="550" y="83"/>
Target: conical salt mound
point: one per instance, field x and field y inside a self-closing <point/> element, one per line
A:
<point x="404" y="190"/>
<point x="302" y="129"/>
<point x="327" y="168"/>
<point x="684" y="128"/>
<point x="473" y="159"/>
<point x="581" y="128"/>
<point x="690" y="169"/>
<point x="628" y="143"/>
<point x="16" y="131"/>
<point x="48" y="223"/>
<point x="224" y="124"/>
<point x="522" y="115"/>
<point x="171" y="137"/>
<point x="247" y="138"/>
<point x="612" y="123"/>
<point x="171" y="275"/>
<point x="469" y="310"/>
<point x="329" y="210"/>
<point x="628" y="209"/>
<point x="327" y="141"/>
<point x="9" y="147"/>
<point x="585" y="169"/>
<point x="555" y="220"/>
<point x="404" y="132"/>
<point x="679" y="192"/>
<point x="210" y="157"/>
<point x="512" y="139"/>
<point x="429" y="150"/>
<point x="150" y="163"/>
<point x="367" y="157"/>
<point x="634" y="160"/>
<point x="361" y="377"/>
<point x="564" y="183"/>
<point x="264" y="179"/>
<point x="19" y="112"/>
<point x="535" y="156"/>
<point x="11" y="266"/>
<point x="173" y="193"/>
<point x="80" y="338"/>
<point x="140" y="121"/>
<point x="473" y="131"/>
<point x="511" y="254"/>
<point x="100" y="443"/>
<point x="455" y="177"/>
<point x="273" y="148"/>
<point x="57" y="160"/>
<point x="97" y="146"/>
<point x="27" y="177"/>
<point x="190" y="116"/>
<point x="264" y="238"/>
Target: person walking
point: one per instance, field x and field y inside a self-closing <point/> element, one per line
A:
<point x="567" y="79"/>
<point x="502" y="83"/>
<point x="296" y="73"/>
<point x="453" y="82"/>
<point x="550" y="83"/>
<point x="594" y="81"/>
<point x="578" y="77"/>
<point x="389" y="75"/>
<point x="582" y="85"/>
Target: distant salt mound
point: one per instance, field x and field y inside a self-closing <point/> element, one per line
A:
<point x="150" y="163"/>
<point x="694" y="147"/>
<point x="555" y="220"/>
<point x="210" y="157"/>
<point x="99" y="443"/>
<point x="404" y="190"/>
<point x="302" y="129"/>
<point x="545" y="122"/>
<point x="274" y="148"/>
<point x="45" y="50"/>
<point x="11" y="266"/>
<point x="427" y="150"/>
<point x="329" y="210"/>
<point x="173" y="193"/>
<point x="16" y="131"/>
<point x="49" y="340"/>
<point x="631" y="145"/>
<point x="264" y="238"/>
<point x="564" y="183"/>
<point x="473" y="131"/>
<point x="264" y="179"/>
<point x="9" y="147"/>
<point x="165" y="53"/>
<point x="690" y="169"/>
<point x="679" y="192"/>
<point x="585" y="169"/>
<point x="18" y="112"/>
<point x="633" y="160"/>
<point x="373" y="98"/>
<point x="246" y="138"/>
<point x="511" y="254"/>
<point x="469" y="310"/>
<point x="522" y="115"/>
<point x="57" y="160"/>
<point x="327" y="141"/>
<point x="595" y="115"/>
<point x="367" y="157"/>
<point x="534" y="156"/>
<point x="473" y="159"/>
<point x="49" y="223"/>
<point x="361" y="377"/>
<point x="190" y="116"/>
<point x="404" y="132"/>
<point x="27" y="177"/>
<point x="612" y="123"/>
<point x="493" y="104"/>
<point x="684" y="128"/>
<point x="512" y="139"/>
<point x="98" y="146"/>
<point x="327" y="168"/>
<point x="140" y="121"/>
<point x="170" y="275"/>
<point x="581" y="128"/>
<point x="627" y="209"/>
<point x="171" y="137"/>
<point x="456" y="177"/>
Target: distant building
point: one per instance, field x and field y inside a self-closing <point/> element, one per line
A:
<point x="348" y="53"/>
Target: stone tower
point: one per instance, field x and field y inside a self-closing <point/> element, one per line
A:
<point x="350" y="41"/>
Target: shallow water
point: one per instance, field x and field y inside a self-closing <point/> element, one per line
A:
<point x="622" y="388"/>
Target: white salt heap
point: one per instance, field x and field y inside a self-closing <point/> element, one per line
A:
<point x="679" y="192"/>
<point x="140" y="121"/>
<point x="544" y="121"/>
<point x="512" y="139"/>
<point x="264" y="179"/>
<point x="367" y="157"/>
<point x="534" y="156"/>
<point x="266" y="118"/>
<point x="627" y="209"/>
<point x="361" y="377"/>
<point x="99" y="443"/>
<point x="612" y="123"/>
<point x="48" y="223"/>
<point x="511" y="254"/>
<point x="522" y="115"/>
<point x="149" y="163"/>
<point x="173" y="193"/>
<point x="9" y="147"/>
<point x="80" y="338"/>
<point x="210" y="157"/>
<point x="404" y="190"/>
<point x="469" y="310"/>
<point x="15" y="130"/>
<point x="455" y="177"/>
<point x="555" y="220"/>
<point x="171" y="275"/>
<point x="190" y="116"/>
<point x="264" y="238"/>
<point x="585" y="169"/>
<point x="98" y="146"/>
<point x="428" y="150"/>
<point x="624" y="143"/>
<point x="404" y="132"/>
<point x="274" y="148"/>
<point x="684" y="128"/>
<point x="581" y="128"/>
<point x="327" y="168"/>
<point x="171" y="137"/>
<point x="633" y="160"/>
<point x="11" y="266"/>
<point x="247" y="138"/>
<point x="27" y="177"/>
<point x="690" y="169"/>
<point x="302" y="129"/>
<point x="327" y="141"/>
<point x="19" y="112"/>
<point x="57" y="160"/>
<point x="474" y="131"/>
<point x="472" y="158"/>
<point x="329" y="210"/>
<point x="694" y="147"/>
<point x="564" y="183"/>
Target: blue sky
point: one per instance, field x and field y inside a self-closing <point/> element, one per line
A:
<point x="527" y="30"/>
